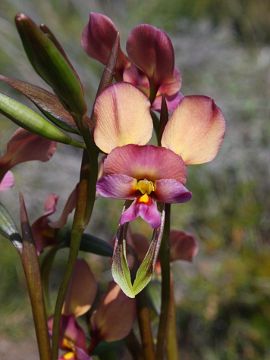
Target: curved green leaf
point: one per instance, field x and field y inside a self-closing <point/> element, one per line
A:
<point x="32" y="121"/>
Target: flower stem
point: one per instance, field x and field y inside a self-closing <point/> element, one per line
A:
<point x="172" y="347"/>
<point x="143" y="314"/>
<point x="32" y="274"/>
<point x="165" y="286"/>
<point x="86" y="191"/>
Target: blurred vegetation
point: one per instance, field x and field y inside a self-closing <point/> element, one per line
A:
<point x="224" y="297"/>
<point x="249" y="19"/>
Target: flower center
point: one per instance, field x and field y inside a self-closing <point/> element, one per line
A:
<point x="145" y="186"/>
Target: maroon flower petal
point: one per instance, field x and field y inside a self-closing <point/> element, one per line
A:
<point x="117" y="186"/>
<point x="151" y="50"/>
<point x="25" y="146"/>
<point x="82" y="290"/>
<point x="145" y="162"/>
<point x="171" y="191"/>
<point x="98" y="38"/>
<point x="183" y="246"/>
<point x="148" y="212"/>
<point x="137" y="78"/>
<point x="69" y="330"/>
<point x="171" y="85"/>
<point x="43" y="234"/>
<point x="115" y="315"/>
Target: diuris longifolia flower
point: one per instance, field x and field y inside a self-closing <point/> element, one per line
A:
<point x="144" y="173"/>
<point x="150" y="63"/>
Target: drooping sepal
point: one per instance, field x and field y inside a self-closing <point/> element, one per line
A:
<point x="45" y="101"/>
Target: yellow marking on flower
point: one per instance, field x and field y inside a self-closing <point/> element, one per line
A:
<point x="144" y="199"/>
<point x="69" y="355"/>
<point x="145" y="186"/>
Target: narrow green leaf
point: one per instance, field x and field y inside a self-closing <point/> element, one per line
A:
<point x="8" y="228"/>
<point x="89" y="243"/>
<point x="95" y="245"/>
<point x="51" y="65"/>
<point x="32" y="121"/>
<point x="45" y="101"/>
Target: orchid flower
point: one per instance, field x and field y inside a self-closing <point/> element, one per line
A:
<point x="79" y="299"/>
<point x="150" y="62"/>
<point x="112" y="319"/>
<point x="148" y="174"/>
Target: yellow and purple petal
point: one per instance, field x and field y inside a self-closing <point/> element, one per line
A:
<point x="171" y="191"/>
<point x="147" y="211"/>
<point x="145" y="162"/>
<point x="196" y="130"/>
<point x="117" y="186"/>
<point x="151" y="50"/>
<point x="122" y="116"/>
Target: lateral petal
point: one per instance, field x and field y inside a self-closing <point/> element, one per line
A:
<point x="171" y="191"/>
<point x="122" y="115"/>
<point x="196" y="130"/>
<point x="117" y="186"/>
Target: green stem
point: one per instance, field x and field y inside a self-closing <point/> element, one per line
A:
<point x="165" y="287"/>
<point x="143" y="315"/>
<point x="172" y="346"/>
<point x="85" y="201"/>
<point x="33" y="279"/>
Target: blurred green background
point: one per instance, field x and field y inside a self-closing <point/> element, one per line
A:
<point x="223" y="50"/>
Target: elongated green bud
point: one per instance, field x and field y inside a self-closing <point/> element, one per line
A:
<point x="51" y="65"/>
<point x="32" y="121"/>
